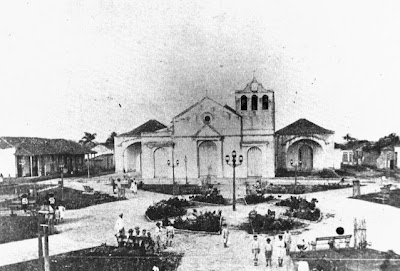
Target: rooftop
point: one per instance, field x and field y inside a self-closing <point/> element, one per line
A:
<point x="147" y="127"/>
<point x="303" y="127"/>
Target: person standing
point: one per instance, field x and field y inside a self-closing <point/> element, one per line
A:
<point x="287" y="237"/>
<point x="157" y="237"/>
<point x="62" y="212"/>
<point x="134" y="187"/>
<point x="24" y="202"/>
<point x="280" y="249"/>
<point x="255" y="249"/>
<point x="268" y="252"/>
<point x="170" y="234"/>
<point x="225" y="234"/>
<point x="113" y="184"/>
<point x="120" y="229"/>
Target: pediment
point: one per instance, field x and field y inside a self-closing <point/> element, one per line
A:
<point x="207" y="131"/>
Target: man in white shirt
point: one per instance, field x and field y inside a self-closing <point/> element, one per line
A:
<point x="255" y="249"/>
<point x="120" y="230"/>
<point x="225" y="234"/>
<point x="157" y="237"/>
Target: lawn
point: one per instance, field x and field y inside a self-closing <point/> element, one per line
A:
<point x="103" y="258"/>
<point x="76" y="199"/>
<point x="394" y="198"/>
<point x="349" y="260"/>
<point x="15" y="228"/>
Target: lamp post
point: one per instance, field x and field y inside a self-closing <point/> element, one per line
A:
<point x="295" y="171"/>
<point x="234" y="165"/>
<point x="186" y="169"/>
<point x="173" y="165"/>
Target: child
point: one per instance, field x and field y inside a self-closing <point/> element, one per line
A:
<point x="170" y="234"/>
<point x="268" y="252"/>
<point x="57" y="215"/>
<point x="24" y="203"/>
<point x="130" y="240"/>
<point x="255" y="249"/>
<point x="225" y="234"/>
<point x="62" y="211"/>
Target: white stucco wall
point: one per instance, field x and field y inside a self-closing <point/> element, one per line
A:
<point x="7" y="162"/>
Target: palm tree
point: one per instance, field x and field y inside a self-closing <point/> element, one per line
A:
<point x="87" y="141"/>
<point x="110" y="139"/>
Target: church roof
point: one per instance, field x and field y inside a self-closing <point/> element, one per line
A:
<point x="147" y="127"/>
<point x="303" y="127"/>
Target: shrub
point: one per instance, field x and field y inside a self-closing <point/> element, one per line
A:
<point x="208" y="221"/>
<point x="312" y="215"/>
<point x="167" y="208"/>
<point x="268" y="223"/>
<point x="210" y="197"/>
<point x="255" y="198"/>
<point x="297" y="203"/>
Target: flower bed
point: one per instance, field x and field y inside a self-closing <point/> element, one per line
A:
<point x="76" y="199"/>
<point x="182" y="189"/>
<point x="255" y="198"/>
<point x="268" y="224"/>
<point x="301" y="208"/>
<point x="172" y="207"/>
<point x="212" y="196"/>
<point x="104" y="258"/>
<point x="207" y="222"/>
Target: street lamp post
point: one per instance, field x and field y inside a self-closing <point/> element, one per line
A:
<point x="186" y="169"/>
<point x="295" y="171"/>
<point x="234" y="165"/>
<point x="173" y="165"/>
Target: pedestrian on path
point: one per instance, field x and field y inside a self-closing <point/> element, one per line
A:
<point x="225" y="234"/>
<point x="268" y="252"/>
<point x="157" y="237"/>
<point x="134" y="187"/>
<point x="255" y="249"/>
<point x="120" y="230"/>
<point x="280" y="249"/>
<point x="170" y="233"/>
<point x="287" y="237"/>
<point x="113" y="184"/>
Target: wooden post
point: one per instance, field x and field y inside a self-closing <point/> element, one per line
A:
<point x="31" y="165"/>
<point x="40" y="245"/>
<point x="46" y="249"/>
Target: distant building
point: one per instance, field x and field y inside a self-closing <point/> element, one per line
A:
<point x="32" y="156"/>
<point x="352" y="152"/>
<point x="203" y="135"/>
<point x="305" y="142"/>
<point x="103" y="159"/>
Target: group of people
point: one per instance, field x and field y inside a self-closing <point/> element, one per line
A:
<point x="117" y="185"/>
<point x="279" y="246"/>
<point x="144" y="240"/>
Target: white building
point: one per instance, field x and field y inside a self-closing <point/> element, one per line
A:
<point x="202" y="135"/>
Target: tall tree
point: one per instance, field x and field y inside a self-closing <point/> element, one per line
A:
<point x="87" y="139"/>
<point x="110" y="139"/>
<point x="349" y="138"/>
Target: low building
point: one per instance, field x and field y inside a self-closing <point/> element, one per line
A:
<point x="103" y="159"/>
<point x="33" y="156"/>
<point x="306" y="146"/>
<point x="352" y="152"/>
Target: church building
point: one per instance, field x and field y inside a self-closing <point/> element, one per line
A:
<point x="200" y="137"/>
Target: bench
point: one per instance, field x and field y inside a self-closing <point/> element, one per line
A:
<point x="331" y="241"/>
<point x="88" y="189"/>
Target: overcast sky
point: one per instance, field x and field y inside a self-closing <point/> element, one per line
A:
<point x="69" y="67"/>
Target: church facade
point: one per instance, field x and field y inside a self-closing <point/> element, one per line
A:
<point x="200" y="137"/>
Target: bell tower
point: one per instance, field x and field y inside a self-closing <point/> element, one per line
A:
<point x="257" y="107"/>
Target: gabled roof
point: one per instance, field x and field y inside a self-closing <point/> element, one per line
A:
<point x="199" y="102"/>
<point x="303" y="127"/>
<point x="147" y="127"/>
<point x="42" y="146"/>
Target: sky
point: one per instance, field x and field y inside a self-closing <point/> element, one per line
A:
<point x="69" y="67"/>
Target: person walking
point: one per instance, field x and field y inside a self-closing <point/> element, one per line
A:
<point x="268" y="252"/>
<point x="255" y="249"/>
<point x="225" y="234"/>
<point x="280" y="249"/>
<point x="287" y="237"/>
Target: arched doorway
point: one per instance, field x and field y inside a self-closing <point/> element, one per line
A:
<point x="161" y="156"/>
<point x="208" y="159"/>
<point x="133" y="157"/>
<point x="254" y="162"/>
<point x="306" y="157"/>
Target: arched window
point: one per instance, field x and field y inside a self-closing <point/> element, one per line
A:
<point x="265" y="102"/>
<point x="243" y="103"/>
<point x="254" y="102"/>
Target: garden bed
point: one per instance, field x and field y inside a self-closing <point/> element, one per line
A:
<point x="301" y="208"/>
<point x="349" y="259"/>
<point x="393" y="200"/>
<point x="204" y="222"/>
<point x="212" y="196"/>
<point x="268" y="224"/>
<point x="76" y="199"/>
<point x="15" y="228"/>
<point x="172" y="207"/>
<point x="302" y="189"/>
<point x="103" y="258"/>
<point x="182" y="189"/>
<point x="256" y="198"/>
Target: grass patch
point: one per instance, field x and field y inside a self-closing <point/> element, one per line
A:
<point x="76" y="199"/>
<point x="15" y="228"/>
<point x="103" y="258"/>
<point x="349" y="259"/>
<point x="182" y="189"/>
<point x="393" y="200"/>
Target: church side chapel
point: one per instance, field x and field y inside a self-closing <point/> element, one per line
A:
<point x="200" y="137"/>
